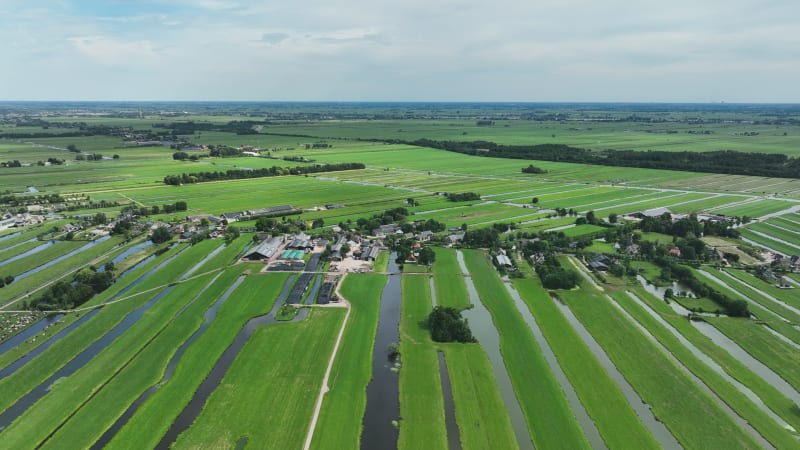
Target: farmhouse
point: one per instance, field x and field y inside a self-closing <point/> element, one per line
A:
<point x="265" y="250"/>
<point x="455" y="238"/>
<point x="504" y="261"/>
<point x="425" y="236"/>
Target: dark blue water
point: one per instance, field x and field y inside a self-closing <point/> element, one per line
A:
<point x="30" y="252"/>
<point x="383" y="395"/>
<point x="52" y="262"/>
<point x="453" y="434"/>
<point x="141" y="246"/>
<point x="217" y="373"/>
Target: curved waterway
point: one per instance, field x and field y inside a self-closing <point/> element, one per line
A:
<point x="642" y="409"/>
<point x="710" y="362"/>
<point x="383" y="396"/>
<point x="208" y="318"/>
<point x="695" y="379"/>
<point x="480" y="321"/>
<point x="587" y="424"/>
<point x="52" y="262"/>
<point x="217" y="373"/>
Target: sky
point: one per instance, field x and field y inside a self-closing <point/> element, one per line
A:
<point x="403" y="50"/>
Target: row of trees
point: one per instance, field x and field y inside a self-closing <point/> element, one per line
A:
<point x="237" y="174"/>
<point x="723" y="161"/>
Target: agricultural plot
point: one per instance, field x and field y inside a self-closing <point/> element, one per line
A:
<point x="542" y="401"/>
<point x="125" y="374"/>
<point x="339" y="424"/>
<point x="655" y="378"/>
<point x="422" y="420"/>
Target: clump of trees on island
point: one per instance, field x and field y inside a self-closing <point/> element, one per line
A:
<point x="67" y="295"/>
<point x="462" y="196"/>
<point x="447" y="325"/>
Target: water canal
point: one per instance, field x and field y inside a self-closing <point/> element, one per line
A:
<point x="208" y="317"/>
<point x="587" y="424"/>
<point x="383" y="398"/>
<point x="453" y="434"/>
<point x="642" y="409"/>
<point x="480" y="321"/>
<point x="217" y="373"/>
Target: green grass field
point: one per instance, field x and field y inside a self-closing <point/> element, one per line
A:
<point x="449" y="282"/>
<point x="616" y="421"/>
<point x="421" y="397"/>
<point x="655" y="378"/>
<point x="290" y="359"/>
<point x="550" y="420"/>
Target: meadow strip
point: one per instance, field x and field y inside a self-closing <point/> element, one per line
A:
<point x="449" y="282"/>
<point x="146" y="369"/>
<point x="264" y="396"/>
<point x="758" y="419"/>
<point x="254" y="297"/>
<point x="549" y="417"/>
<point x="340" y="419"/>
<point x="421" y="398"/>
<point x="688" y="416"/>
<point x="616" y="421"/>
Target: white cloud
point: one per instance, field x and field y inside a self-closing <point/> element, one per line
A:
<point x="106" y="50"/>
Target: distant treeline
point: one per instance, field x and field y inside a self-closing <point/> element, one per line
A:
<point x="237" y="126"/>
<point x="237" y="174"/>
<point x="724" y="161"/>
